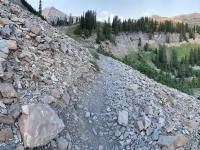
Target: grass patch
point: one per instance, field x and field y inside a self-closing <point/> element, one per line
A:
<point x="183" y="50"/>
<point x="69" y="31"/>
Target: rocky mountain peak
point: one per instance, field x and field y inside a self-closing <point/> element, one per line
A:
<point x="53" y="14"/>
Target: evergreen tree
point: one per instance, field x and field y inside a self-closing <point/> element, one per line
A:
<point x="139" y="42"/>
<point x="162" y="55"/>
<point x="174" y="59"/>
<point x="70" y="19"/>
<point x="40" y="7"/>
<point x="146" y="47"/>
<point x="191" y="59"/>
<point x="116" y="25"/>
<point x="107" y="31"/>
<point x="99" y="34"/>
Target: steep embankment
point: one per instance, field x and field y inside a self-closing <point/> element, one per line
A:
<point x="50" y="97"/>
<point x="39" y="66"/>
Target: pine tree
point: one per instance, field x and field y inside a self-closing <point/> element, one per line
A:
<point x="163" y="55"/>
<point x="191" y="59"/>
<point x="40" y="7"/>
<point x="107" y="31"/>
<point x="174" y="59"/>
<point x="116" y="25"/>
<point x="99" y="34"/>
<point x="70" y="19"/>
<point x="146" y="47"/>
<point x="139" y="42"/>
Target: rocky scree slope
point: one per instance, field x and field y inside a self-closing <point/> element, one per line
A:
<point x="40" y="69"/>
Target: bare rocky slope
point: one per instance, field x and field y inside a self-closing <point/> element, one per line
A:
<point x="53" y="14"/>
<point x="191" y="19"/>
<point x="50" y="97"/>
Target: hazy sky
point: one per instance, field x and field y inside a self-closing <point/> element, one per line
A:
<point x="123" y="8"/>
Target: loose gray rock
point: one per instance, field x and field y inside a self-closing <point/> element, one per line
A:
<point x="7" y="90"/>
<point x="66" y="98"/>
<point x="62" y="143"/>
<point x="4" y="47"/>
<point x="6" y="119"/>
<point x="172" y="142"/>
<point x="6" y="134"/>
<point x="123" y="118"/>
<point x="36" y="30"/>
<point x="139" y="125"/>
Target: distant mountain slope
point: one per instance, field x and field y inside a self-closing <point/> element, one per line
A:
<point x="193" y="18"/>
<point x="51" y="14"/>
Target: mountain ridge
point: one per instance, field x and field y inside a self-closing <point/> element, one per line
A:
<point x="52" y="13"/>
<point x="192" y="18"/>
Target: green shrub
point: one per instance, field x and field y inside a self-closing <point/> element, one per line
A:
<point x="95" y="65"/>
<point x="95" y="54"/>
<point x="138" y="63"/>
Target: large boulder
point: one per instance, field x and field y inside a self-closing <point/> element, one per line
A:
<point x="172" y="142"/>
<point x="6" y="134"/>
<point x="4" y="48"/>
<point x="7" y="90"/>
<point x="62" y="143"/>
<point x="39" y="124"/>
<point x="11" y="44"/>
<point x="36" y="30"/>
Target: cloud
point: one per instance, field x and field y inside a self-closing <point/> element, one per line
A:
<point x="149" y="12"/>
<point x="105" y="15"/>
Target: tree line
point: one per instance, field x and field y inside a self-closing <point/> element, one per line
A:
<point x="65" y="21"/>
<point x="148" y="25"/>
<point x="106" y="30"/>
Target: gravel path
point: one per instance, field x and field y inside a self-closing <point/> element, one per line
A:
<point x="102" y="102"/>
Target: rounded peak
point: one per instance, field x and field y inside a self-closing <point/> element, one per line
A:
<point x="51" y="7"/>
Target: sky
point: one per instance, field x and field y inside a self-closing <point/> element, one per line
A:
<point x="123" y="8"/>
